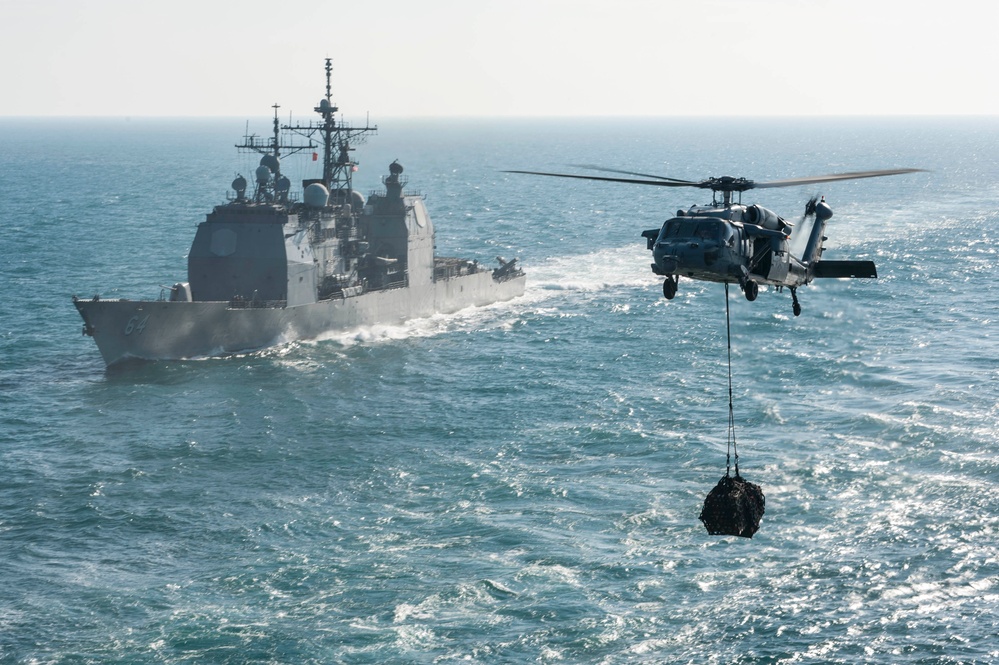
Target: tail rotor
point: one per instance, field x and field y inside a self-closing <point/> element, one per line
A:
<point x="803" y="228"/>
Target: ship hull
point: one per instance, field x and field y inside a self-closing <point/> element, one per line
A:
<point x="165" y="330"/>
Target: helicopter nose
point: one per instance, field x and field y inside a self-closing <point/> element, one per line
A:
<point x="664" y="256"/>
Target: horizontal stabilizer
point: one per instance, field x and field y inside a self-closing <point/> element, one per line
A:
<point x="845" y="269"/>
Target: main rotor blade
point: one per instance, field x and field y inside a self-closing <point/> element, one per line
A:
<point x="792" y="182"/>
<point x="660" y="183"/>
<point x="593" y="167"/>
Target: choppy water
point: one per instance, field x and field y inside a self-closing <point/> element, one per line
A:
<point x="518" y="483"/>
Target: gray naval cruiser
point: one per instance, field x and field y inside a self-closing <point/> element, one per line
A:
<point x="267" y="268"/>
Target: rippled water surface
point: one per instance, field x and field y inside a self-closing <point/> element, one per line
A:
<point x="520" y="482"/>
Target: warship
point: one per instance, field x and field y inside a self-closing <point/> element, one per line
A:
<point x="268" y="266"/>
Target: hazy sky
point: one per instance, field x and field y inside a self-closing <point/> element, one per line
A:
<point x="500" y="57"/>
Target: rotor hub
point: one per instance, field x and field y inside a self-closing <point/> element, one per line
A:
<point x="727" y="183"/>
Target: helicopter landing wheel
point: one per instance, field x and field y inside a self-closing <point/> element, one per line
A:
<point x="795" y="305"/>
<point x="669" y="288"/>
<point x="752" y="290"/>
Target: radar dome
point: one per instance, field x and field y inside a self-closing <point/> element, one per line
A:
<point x="271" y="162"/>
<point x="357" y="200"/>
<point x="263" y="174"/>
<point x="316" y="195"/>
<point x="239" y="184"/>
<point x="395" y="168"/>
<point x="324" y="104"/>
<point x="283" y="184"/>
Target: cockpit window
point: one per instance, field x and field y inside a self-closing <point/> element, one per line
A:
<point x="695" y="229"/>
<point x="709" y="230"/>
<point x="671" y="228"/>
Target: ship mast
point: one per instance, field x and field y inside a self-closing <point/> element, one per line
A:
<point x="337" y="140"/>
<point x="338" y="167"/>
<point x="327" y="111"/>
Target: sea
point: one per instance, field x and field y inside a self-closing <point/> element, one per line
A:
<point x="516" y="483"/>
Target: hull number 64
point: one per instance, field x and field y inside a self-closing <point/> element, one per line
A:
<point x="136" y="325"/>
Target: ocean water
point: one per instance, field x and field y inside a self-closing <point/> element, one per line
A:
<point x="520" y="482"/>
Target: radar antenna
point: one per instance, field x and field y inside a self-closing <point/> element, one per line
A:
<point x="337" y="139"/>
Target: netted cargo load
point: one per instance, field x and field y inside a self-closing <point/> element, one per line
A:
<point x="733" y="508"/>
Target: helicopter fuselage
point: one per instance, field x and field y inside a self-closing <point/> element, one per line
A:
<point x="744" y="245"/>
<point x="734" y="244"/>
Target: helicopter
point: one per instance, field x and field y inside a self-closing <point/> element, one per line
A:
<point x="732" y="243"/>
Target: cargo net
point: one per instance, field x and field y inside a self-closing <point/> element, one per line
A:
<point x="734" y="507"/>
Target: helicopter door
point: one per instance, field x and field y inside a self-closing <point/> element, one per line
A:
<point x="780" y="259"/>
<point x="762" y="257"/>
<point x="770" y="258"/>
